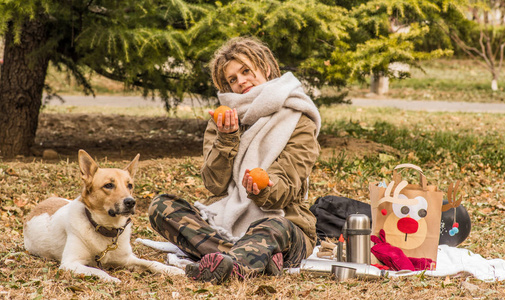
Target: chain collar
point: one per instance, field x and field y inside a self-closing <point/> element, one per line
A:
<point x="113" y="233"/>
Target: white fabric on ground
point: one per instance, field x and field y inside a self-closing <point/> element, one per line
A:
<point x="162" y="246"/>
<point x="452" y="260"/>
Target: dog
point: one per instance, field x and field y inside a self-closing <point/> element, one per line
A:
<point x="92" y="231"/>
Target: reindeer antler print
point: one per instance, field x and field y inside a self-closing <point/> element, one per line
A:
<point x="451" y="197"/>
<point x="452" y="191"/>
<point x="395" y="195"/>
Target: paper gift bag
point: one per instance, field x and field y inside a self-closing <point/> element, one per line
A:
<point x="409" y="214"/>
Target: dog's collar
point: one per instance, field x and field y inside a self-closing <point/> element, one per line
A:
<point x="114" y="232"/>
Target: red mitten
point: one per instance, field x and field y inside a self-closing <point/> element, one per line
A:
<point x="421" y="263"/>
<point x="380" y="267"/>
<point x="390" y="256"/>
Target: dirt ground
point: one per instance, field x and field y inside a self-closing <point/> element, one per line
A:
<point x="118" y="137"/>
<point x="122" y="137"/>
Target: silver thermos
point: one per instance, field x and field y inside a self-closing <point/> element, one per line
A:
<point x="357" y="237"/>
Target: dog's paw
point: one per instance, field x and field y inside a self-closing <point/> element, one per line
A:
<point x="112" y="279"/>
<point x="174" y="271"/>
<point x="174" y="260"/>
<point x="116" y="280"/>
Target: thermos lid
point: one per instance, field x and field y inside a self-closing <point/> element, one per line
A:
<point x="358" y="221"/>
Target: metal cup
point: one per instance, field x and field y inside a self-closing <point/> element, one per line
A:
<point x="343" y="273"/>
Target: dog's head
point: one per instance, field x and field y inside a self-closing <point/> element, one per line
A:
<point x="107" y="191"/>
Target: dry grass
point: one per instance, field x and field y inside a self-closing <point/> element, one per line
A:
<point x="23" y="184"/>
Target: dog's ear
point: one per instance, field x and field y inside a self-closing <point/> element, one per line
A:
<point x="133" y="165"/>
<point x="88" y="166"/>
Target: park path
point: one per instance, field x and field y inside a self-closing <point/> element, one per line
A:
<point x="416" y="105"/>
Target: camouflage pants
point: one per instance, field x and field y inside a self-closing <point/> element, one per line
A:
<point x="181" y="223"/>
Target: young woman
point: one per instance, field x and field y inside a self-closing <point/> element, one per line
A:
<point x="273" y="124"/>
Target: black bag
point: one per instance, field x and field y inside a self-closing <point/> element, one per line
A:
<point x="331" y="213"/>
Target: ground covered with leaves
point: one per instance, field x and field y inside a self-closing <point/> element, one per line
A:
<point x="358" y="146"/>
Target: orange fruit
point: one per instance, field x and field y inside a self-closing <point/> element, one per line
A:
<point x="260" y="177"/>
<point x="220" y="110"/>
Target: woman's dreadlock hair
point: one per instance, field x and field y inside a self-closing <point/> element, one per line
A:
<point x="258" y="53"/>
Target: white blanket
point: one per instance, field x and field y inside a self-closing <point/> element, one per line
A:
<point x="450" y="261"/>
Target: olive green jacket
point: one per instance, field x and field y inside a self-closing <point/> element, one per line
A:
<point x="289" y="172"/>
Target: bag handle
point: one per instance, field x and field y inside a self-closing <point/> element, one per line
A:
<point x="397" y="185"/>
<point x="391" y="195"/>
<point x="422" y="179"/>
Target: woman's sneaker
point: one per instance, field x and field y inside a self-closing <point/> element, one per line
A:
<point x="275" y="265"/>
<point x="214" y="267"/>
<point x="192" y="270"/>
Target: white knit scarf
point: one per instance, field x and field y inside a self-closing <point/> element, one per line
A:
<point x="272" y="110"/>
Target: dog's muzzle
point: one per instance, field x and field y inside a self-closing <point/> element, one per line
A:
<point x="129" y="203"/>
<point x="128" y="208"/>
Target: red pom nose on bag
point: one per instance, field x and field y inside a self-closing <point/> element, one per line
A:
<point x="407" y="225"/>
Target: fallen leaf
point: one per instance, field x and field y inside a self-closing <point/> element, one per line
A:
<point x="472" y="288"/>
<point x="11" y="172"/>
<point x="75" y="288"/>
<point x="20" y="202"/>
<point x="265" y="290"/>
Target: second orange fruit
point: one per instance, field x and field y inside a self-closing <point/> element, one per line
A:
<point x="260" y="177"/>
<point x="220" y="110"/>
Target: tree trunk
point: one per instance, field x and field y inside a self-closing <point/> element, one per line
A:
<point x="494" y="82"/>
<point x="379" y="84"/>
<point x="21" y="85"/>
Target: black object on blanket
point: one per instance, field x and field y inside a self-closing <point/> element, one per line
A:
<point x="332" y="211"/>
<point x="465" y="226"/>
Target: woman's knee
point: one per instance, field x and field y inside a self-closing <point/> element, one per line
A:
<point x="163" y="204"/>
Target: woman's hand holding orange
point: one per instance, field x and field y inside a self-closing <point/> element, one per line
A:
<point x="251" y="186"/>
<point x="227" y="122"/>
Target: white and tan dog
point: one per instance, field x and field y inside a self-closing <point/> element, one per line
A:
<point x="93" y="230"/>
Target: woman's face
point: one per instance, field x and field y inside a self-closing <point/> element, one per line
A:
<point x="241" y="77"/>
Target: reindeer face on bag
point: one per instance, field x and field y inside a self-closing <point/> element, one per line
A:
<point x="404" y="218"/>
<point x="409" y="213"/>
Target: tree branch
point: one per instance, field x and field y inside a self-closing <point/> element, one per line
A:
<point x="137" y="83"/>
<point x="485" y="50"/>
<point x="99" y="10"/>
<point x="471" y="51"/>
<point x="502" y="47"/>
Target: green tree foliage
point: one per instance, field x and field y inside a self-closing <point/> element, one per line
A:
<point x="329" y="42"/>
<point x="129" y="41"/>
<point x="388" y="31"/>
<point x="163" y="47"/>
<point x="301" y="33"/>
